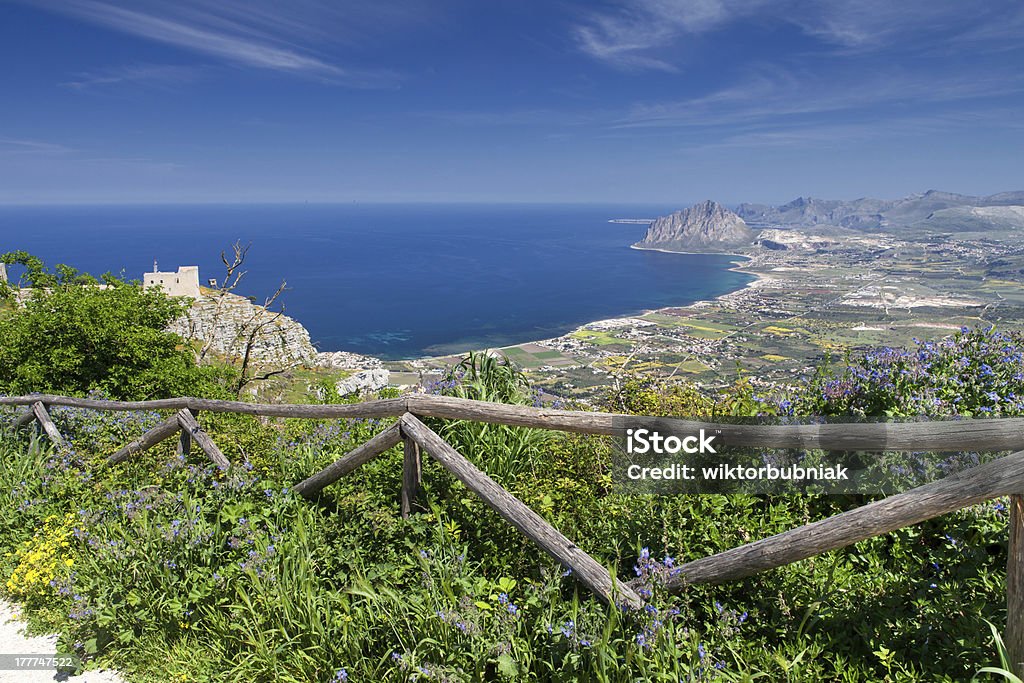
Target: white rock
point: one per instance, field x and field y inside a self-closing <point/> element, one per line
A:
<point x="228" y="322"/>
<point x="364" y="380"/>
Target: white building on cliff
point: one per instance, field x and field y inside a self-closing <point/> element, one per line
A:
<point x="185" y="282"/>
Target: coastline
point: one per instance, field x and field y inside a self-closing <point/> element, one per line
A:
<point x="692" y="253"/>
<point x="738" y="267"/>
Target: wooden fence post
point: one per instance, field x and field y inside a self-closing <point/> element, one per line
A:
<point x="412" y="475"/>
<point x="1014" y="636"/>
<point x="185" y="439"/>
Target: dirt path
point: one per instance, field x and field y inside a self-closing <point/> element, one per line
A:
<point x="13" y="643"/>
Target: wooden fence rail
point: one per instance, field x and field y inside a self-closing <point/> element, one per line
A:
<point x="1001" y="477"/>
<point x="951" y="435"/>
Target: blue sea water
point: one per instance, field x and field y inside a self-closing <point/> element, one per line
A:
<point x="395" y="281"/>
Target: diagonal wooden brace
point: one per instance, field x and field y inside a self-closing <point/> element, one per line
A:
<point x="39" y="410"/>
<point x="164" y="430"/>
<point x="585" y="568"/>
<point x="360" y="455"/>
<point x="188" y="423"/>
<point x="1001" y="477"/>
<point x="25" y="418"/>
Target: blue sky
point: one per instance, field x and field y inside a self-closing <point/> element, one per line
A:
<point x="461" y="100"/>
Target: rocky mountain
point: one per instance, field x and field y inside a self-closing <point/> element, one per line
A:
<point x="704" y="227"/>
<point x="975" y="219"/>
<point x="877" y="214"/>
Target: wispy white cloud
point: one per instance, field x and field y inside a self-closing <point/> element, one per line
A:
<point x="826" y="135"/>
<point x="258" y="34"/>
<point x="154" y="75"/>
<point x="626" y="37"/>
<point x="642" y="33"/>
<point x="20" y="146"/>
<point x="26" y="151"/>
<point x="785" y="96"/>
<point x="835" y="136"/>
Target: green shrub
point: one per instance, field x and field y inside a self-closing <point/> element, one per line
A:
<point x="70" y="333"/>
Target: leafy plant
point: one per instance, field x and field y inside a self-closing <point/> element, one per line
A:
<point x="69" y="333"/>
<point x="503" y="452"/>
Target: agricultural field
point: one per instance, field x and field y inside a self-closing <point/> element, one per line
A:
<point x="805" y="307"/>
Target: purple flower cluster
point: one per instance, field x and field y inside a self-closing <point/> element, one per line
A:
<point x="971" y="373"/>
<point x="441" y="386"/>
<point x="509" y="606"/>
<point x="652" y="574"/>
<point x="465" y="624"/>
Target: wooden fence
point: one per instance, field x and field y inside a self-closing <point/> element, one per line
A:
<point x="1001" y="477"/>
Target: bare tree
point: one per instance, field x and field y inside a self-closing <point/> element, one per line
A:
<point x="249" y="331"/>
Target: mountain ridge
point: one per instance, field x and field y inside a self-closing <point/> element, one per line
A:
<point x="867" y="213"/>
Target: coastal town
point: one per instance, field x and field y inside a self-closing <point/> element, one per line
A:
<point x="815" y="291"/>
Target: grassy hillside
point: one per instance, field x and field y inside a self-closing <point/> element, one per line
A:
<point x="173" y="570"/>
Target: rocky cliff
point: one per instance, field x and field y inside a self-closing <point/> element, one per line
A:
<point x="704" y="227"/>
<point x="226" y="321"/>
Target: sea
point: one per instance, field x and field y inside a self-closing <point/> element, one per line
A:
<point x="395" y="281"/>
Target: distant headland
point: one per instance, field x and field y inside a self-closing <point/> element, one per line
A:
<point x="709" y="227"/>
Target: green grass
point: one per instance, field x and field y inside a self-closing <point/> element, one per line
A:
<point x="349" y="584"/>
<point x="691" y="322"/>
<point x="600" y="338"/>
<point x="168" y="568"/>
